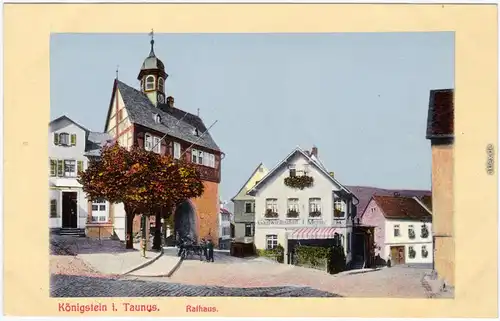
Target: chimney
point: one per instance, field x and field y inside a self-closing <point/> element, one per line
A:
<point x="314" y="151"/>
<point x="170" y="101"/>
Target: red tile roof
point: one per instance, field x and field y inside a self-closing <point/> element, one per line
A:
<point x="427" y="200"/>
<point x="440" y="118"/>
<point x="398" y="207"/>
<point x="365" y="193"/>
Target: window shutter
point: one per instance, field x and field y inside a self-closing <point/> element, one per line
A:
<point x="60" y="167"/>
<point x="56" y="139"/>
<point x="53" y="167"/>
<point x="80" y="166"/>
<point x="53" y="208"/>
<point x="73" y="139"/>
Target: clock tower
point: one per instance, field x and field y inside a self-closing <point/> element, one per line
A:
<point x="153" y="76"/>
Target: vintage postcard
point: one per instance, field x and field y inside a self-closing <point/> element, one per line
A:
<point x="180" y="164"/>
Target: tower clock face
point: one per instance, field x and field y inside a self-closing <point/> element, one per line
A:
<point x="161" y="98"/>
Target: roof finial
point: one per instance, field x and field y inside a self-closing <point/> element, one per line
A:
<point x="117" y="66"/>
<point x="152" y="52"/>
<point x="198" y="112"/>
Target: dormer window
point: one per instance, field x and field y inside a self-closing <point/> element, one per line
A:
<point x="196" y="133"/>
<point x="64" y="139"/>
<point x="150" y="82"/>
<point x="161" y="84"/>
<point x="157" y="118"/>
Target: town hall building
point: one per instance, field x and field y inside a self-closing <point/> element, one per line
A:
<point x="143" y="116"/>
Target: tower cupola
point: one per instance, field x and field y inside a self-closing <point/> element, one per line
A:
<point x="152" y="76"/>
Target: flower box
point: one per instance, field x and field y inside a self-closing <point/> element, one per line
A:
<point x="315" y="214"/>
<point x="299" y="182"/>
<point x="270" y="214"/>
<point x="292" y="213"/>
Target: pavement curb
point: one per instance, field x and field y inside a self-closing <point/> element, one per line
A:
<point x="143" y="265"/>
<point x="168" y="274"/>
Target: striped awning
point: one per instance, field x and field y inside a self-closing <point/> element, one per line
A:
<point x="313" y="233"/>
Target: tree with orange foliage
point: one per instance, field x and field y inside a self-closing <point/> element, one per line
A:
<point x="145" y="182"/>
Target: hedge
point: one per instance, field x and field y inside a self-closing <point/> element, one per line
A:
<point x="317" y="256"/>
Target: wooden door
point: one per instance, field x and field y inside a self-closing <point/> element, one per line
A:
<point x="397" y="255"/>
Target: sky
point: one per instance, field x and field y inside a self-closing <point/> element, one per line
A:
<point x="361" y="98"/>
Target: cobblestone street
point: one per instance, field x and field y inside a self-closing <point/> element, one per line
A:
<point x="72" y="276"/>
<point x="84" y="286"/>
<point x="396" y="282"/>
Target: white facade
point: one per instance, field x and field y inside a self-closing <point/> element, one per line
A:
<point x="68" y="205"/>
<point x="274" y="193"/>
<point x="397" y="233"/>
<point x="224" y="225"/>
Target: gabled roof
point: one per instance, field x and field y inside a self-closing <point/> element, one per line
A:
<point x="140" y="111"/>
<point x="440" y="118"/>
<point x="95" y="141"/>
<point x="427" y="201"/>
<point x="313" y="161"/>
<point x="364" y="194"/>
<point x="398" y="207"/>
<point x="70" y="120"/>
<point x="247" y="181"/>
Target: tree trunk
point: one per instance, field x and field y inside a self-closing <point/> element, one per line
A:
<point x="157" y="236"/>
<point x="129" y="213"/>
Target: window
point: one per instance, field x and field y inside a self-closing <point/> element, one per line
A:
<point x="249" y="207"/>
<point x="119" y="115"/>
<point x="315" y="205"/>
<point x="338" y="208"/>
<point x="261" y="170"/>
<point x="424" y="231"/>
<point x="161" y="84"/>
<point x="156" y="145"/>
<point x="142" y="84"/>
<point x="196" y="132"/>
<point x="203" y="158"/>
<point x="272" y="205"/>
<point x="397" y="231"/>
<point x="69" y="168"/>
<point x="60" y="168"/>
<point x="292" y="170"/>
<point x="348" y="242"/>
<point x="157" y="118"/>
<point x="293" y="206"/>
<point x="64" y="139"/>
<point x="99" y="211"/>
<point x="425" y="253"/>
<point x="306" y="169"/>
<point x="53" y="208"/>
<point x="177" y="150"/>
<point x="148" y="142"/>
<point x="411" y="232"/>
<point x="225" y="217"/>
<point x="411" y="252"/>
<point x="248" y="229"/>
<point x="150" y="82"/>
<point x="271" y="241"/>
<point x="53" y="167"/>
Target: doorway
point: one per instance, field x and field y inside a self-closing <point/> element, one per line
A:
<point x="69" y="210"/>
<point x="398" y="255"/>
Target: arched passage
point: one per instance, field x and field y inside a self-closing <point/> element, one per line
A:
<point x="185" y="221"/>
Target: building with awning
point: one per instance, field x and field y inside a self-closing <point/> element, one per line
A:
<point x="300" y="202"/>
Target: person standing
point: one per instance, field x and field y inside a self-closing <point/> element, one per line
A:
<point x="204" y="248"/>
<point x="210" y="248"/>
